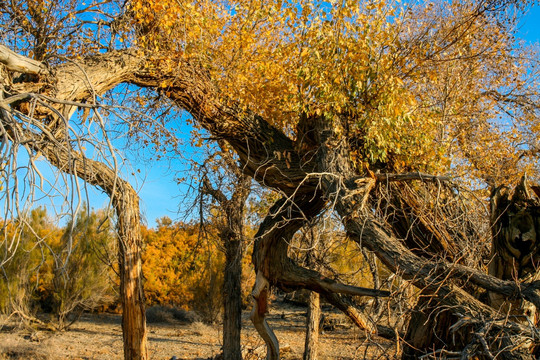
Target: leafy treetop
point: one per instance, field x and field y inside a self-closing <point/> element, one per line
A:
<point x="429" y="87"/>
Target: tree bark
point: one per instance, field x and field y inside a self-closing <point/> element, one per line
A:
<point x="428" y="330"/>
<point x="426" y="276"/>
<point x="348" y="195"/>
<point x="310" y="180"/>
<point x="83" y="82"/>
<point x="311" y="346"/>
<point x="232" y="301"/>
<point x="515" y="252"/>
<point x="126" y="203"/>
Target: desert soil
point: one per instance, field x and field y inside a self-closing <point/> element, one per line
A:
<point x="99" y="336"/>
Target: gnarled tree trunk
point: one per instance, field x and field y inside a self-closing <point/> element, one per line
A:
<point x="312" y="176"/>
<point x="515" y="253"/>
<point x="126" y="204"/>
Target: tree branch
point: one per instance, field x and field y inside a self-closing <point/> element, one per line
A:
<point x="410" y="176"/>
<point x="20" y="63"/>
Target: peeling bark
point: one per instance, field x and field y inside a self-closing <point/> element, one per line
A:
<point x="258" y="314"/>
<point x="19" y="63"/>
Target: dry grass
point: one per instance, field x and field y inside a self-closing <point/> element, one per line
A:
<point x="100" y="337"/>
<point x="12" y="350"/>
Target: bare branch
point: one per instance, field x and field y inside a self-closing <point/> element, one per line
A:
<point x="20" y="63"/>
<point x="411" y="176"/>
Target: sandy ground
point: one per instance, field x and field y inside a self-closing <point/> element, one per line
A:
<point x="99" y="336"/>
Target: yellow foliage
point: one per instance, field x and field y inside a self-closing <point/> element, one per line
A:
<point x="418" y="87"/>
<point x="179" y="265"/>
<point x="55" y="269"/>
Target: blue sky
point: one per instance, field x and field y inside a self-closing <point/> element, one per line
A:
<point x="530" y="28"/>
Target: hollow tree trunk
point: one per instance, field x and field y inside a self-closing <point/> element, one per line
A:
<point x="311" y="346"/>
<point x="515" y="252"/>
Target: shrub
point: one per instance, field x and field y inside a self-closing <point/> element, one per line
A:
<point x="159" y="314"/>
<point x="82" y="277"/>
<point x="168" y="314"/>
<point x="60" y="271"/>
<point x="183" y="270"/>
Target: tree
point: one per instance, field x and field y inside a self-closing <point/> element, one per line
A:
<point x="345" y="106"/>
<point x="61" y="271"/>
<point x="27" y="266"/>
<point x="81" y="269"/>
<point x="313" y="314"/>
<point x="43" y="126"/>
<point x="181" y="269"/>
<point x="231" y="236"/>
<point x="322" y="246"/>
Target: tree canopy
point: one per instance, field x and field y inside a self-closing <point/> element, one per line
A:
<point x="437" y="87"/>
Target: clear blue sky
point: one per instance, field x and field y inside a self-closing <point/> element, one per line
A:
<point x="530" y="27"/>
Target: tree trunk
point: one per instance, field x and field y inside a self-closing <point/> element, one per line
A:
<point x="311" y="346"/>
<point x="428" y="330"/>
<point x="515" y="253"/>
<point x="371" y="260"/>
<point x="310" y="180"/>
<point x="231" y="236"/>
<point x="232" y="300"/>
<point x="50" y="137"/>
<point x="131" y="278"/>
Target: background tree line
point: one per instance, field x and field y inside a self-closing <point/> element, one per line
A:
<point x="61" y="271"/>
<point x="64" y="270"/>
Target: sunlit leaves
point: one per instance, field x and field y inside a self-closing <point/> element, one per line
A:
<point x="411" y="85"/>
<point x="177" y="263"/>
